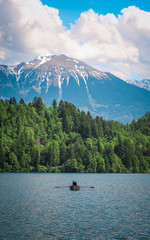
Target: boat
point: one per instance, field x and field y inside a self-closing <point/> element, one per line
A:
<point x="74" y="188"/>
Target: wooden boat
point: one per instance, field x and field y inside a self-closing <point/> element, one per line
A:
<point x="74" y="188"/>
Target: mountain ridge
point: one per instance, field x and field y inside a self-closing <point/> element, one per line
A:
<point x="144" y="83"/>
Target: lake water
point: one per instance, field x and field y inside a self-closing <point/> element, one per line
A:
<point x="32" y="208"/>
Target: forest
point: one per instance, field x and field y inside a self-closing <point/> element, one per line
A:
<point x="61" y="138"/>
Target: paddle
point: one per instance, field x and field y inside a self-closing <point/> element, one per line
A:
<point x="80" y="186"/>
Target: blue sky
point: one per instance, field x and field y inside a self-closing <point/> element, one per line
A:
<point x="112" y="36"/>
<point x="70" y="11"/>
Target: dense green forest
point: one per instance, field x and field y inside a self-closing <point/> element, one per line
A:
<point x="61" y="138"/>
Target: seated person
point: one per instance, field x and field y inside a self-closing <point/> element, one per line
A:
<point x="74" y="183"/>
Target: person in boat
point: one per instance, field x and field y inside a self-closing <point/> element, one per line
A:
<point x="74" y="183"/>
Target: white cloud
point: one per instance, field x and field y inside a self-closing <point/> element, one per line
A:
<point x="2" y="53"/>
<point x="134" y="27"/>
<point x="104" y="40"/>
<point x="120" y="44"/>
<point x="29" y="27"/>
<point x="117" y="44"/>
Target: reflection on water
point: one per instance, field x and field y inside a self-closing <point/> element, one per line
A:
<point x="32" y="208"/>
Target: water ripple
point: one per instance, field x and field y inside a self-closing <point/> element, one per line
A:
<point x="32" y="208"/>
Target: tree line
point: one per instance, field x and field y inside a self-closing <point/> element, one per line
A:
<point x="61" y="138"/>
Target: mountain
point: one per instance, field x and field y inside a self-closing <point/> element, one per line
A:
<point x="60" y="77"/>
<point x="145" y="83"/>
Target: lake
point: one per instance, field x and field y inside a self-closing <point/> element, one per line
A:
<point x="32" y="208"/>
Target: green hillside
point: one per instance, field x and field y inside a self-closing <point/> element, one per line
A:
<point x="34" y="138"/>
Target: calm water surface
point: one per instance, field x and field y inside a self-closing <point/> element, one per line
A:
<point x="32" y="208"/>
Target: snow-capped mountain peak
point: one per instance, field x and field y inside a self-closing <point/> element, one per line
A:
<point x="61" y="77"/>
<point x="54" y="69"/>
<point x="44" y="58"/>
<point x="57" y="70"/>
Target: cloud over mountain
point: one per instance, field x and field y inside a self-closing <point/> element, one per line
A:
<point x="116" y="44"/>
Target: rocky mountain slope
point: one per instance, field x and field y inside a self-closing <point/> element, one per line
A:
<point x="60" y="77"/>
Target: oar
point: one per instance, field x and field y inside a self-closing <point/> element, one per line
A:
<point x="79" y="186"/>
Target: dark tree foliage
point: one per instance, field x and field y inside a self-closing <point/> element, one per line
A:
<point x="13" y="101"/>
<point x="54" y="104"/>
<point x="21" y="101"/>
<point x="34" y="138"/>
